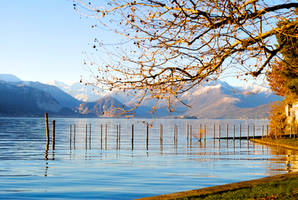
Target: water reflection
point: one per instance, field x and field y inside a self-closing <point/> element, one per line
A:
<point x="88" y="159"/>
<point x="46" y="154"/>
<point x="46" y="168"/>
<point x="286" y="156"/>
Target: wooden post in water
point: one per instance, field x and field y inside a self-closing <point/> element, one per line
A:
<point x="86" y="130"/>
<point x="90" y="136"/>
<point x="187" y="134"/>
<point x="100" y="136"/>
<point x="106" y="136"/>
<point x="190" y="141"/>
<point x="205" y="132"/>
<point x="213" y="131"/>
<point x="227" y="131"/>
<point x="200" y="132"/>
<point x="240" y="131"/>
<point x="74" y="136"/>
<point x="219" y="135"/>
<point x="70" y="135"/>
<point x="132" y="136"/>
<point x="176" y="137"/>
<point x="47" y="128"/>
<point x="234" y="132"/>
<point x="219" y="132"/>
<point x="119" y="137"/>
<point x="161" y="135"/>
<point x="247" y="132"/>
<point x="53" y="134"/>
<point x="147" y="136"/>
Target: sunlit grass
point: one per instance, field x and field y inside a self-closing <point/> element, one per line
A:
<point x="273" y="190"/>
<point x="275" y="187"/>
<point x="285" y="141"/>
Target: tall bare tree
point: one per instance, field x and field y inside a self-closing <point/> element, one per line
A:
<point x="181" y="43"/>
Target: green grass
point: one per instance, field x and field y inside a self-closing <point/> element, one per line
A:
<point x="289" y="143"/>
<point x="286" y="141"/>
<point x="284" y="186"/>
<point x="275" y="190"/>
<point x="282" y="141"/>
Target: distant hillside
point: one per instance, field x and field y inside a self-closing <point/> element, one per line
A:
<point x="9" y="78"/>
<point x="21" y="100"/>
<point x="104" y="107"/>
<point x="64" y="99"/>
<point x="213" y="100"/>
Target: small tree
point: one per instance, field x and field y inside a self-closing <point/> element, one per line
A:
<point x="278" y="118"/>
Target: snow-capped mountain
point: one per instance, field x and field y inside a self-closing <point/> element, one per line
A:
<point x="86" y="93"/>
<point x="221" y="100"/>
<point x="212" y="100"/>
<point x="9" y="78"/>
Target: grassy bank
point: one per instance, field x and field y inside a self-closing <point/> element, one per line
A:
<point x="289" y="143"/>
<point x="275" y="187"/>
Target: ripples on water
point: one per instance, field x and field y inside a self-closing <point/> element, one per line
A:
<point x="99" y="170"/>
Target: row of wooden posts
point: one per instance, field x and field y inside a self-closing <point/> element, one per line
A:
<point x="189" y="134"/>
<point x="72" y="136"/>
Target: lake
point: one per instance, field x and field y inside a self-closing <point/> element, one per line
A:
<point x="99" y="164"/>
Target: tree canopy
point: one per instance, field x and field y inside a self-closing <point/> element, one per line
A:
<point x="283" y="80"/>
<point x="283" y="76"/>
<point x="178" y="44"/>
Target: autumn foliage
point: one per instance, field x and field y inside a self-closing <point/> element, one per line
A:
<point x="278" y="118"/>
<point x="173" y="46"/>
<point x="276" y="79"/>
<point x="283" y="80"/>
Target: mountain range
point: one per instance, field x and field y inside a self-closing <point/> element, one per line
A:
<point x="215" y="100"/>
<point x="79" y="91"/>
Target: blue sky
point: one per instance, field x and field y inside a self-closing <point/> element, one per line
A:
<point x="43" y="40"/>
<point x="46" y="40"/>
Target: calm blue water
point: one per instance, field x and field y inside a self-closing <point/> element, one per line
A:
<point x="96" y="167"/>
